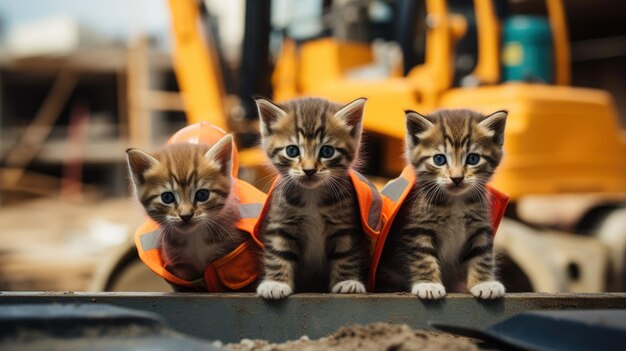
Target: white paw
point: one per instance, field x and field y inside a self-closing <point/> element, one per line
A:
<point x="273" y="290"/>
<point x="349" y="287"/>
<point x="428" y="291"/>
<point x="488" y="290"/>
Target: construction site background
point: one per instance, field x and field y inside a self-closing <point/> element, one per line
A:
<point x="76" y="76"/>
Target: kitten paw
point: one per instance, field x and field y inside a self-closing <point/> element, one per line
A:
<point x="488" y="290"/>
<point x="349" y="287"/>
<point x="273" y="290"/>
<point x="428" y="291"/>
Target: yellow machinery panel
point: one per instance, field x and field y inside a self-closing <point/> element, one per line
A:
<point x="558" y="139"/>
<point x="196" y="66"/>
<point x="384" y="111"/>
<point x="319" y="68"/>
<point x="326" y="59"/>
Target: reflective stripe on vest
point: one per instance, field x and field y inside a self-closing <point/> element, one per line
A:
<point x="394" y="189"/>
<point x="150" y="241"/>
<point x="252" y="210"/>
<point x="376" y="206"/>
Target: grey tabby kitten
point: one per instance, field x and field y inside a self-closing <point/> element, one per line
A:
<point x="442" y="235"/>
<point x="186" y="189"/>
<point x="312" y="233"/>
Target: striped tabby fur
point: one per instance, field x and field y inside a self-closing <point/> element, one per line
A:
<point x="196" y="227"/>
<point x="442" y="235"/>
<point x="312" y="233"/>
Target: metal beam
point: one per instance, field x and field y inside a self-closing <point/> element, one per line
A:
<point x="230" y="317"/>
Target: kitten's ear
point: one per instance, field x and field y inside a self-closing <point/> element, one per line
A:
<point x="352" y="114"/>
<point x="416" y="124"/>
<point x="495" y="123"/>
<point x="268" y="113"/>
<point x="138" y="163"/>
<point x="222" y="153"/>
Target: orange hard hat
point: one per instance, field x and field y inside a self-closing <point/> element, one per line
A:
<point x="204" y="133"/>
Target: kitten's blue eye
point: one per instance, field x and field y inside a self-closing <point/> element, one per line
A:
<point x="202" y="195"/>
<point x="440" y="159"/>
<point x="292" y="151"/>
<point x="327" y="151"/>
<point x="472" y="159"/>
<point x="168" y="197"/>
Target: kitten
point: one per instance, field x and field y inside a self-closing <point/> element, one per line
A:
<point x="442" y="235"/>
<point x="186" y="189"/>
<point x="314" y="241"/>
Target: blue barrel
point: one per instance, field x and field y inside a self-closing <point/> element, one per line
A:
<point x="527" y="52"/>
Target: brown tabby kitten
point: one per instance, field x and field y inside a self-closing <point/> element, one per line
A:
<point x="186" y="189"/>
<point x="312" y="233"/>
<point x="442" y="235"/>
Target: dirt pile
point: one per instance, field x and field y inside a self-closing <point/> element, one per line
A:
<point x="377" y="336"/>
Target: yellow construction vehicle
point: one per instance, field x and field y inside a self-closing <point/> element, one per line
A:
<point x="559" y="139"/>
<point x="537" y="161"/>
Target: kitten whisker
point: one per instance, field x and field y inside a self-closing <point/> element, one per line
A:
<point x="265" y="180"/>
<point x="338" y="186"/>
<point x="429" y="190"/>
<point x="479" y="193"/>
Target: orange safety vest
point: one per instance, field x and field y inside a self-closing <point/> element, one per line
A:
<point x="395" y="192"/>
<point x="238" y="270"/>
<point x="368" y="197"/>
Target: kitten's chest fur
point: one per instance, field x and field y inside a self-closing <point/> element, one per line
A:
<point x="188" y="254"/>
<point x="452" y="232"/>
<point x="313" y="248"/>
<point x="312" y="216"/>
<point x="454" y="223"/>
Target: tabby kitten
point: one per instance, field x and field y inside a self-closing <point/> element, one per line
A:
<point x="442" y="235"/>
<point x="186" y="189"/>
<point x="313" y="237"/>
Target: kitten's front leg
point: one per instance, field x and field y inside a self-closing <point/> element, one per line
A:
<point x="423" y="265"/>
<point x="280" y="258"/>
<point x="480" y="262"/>
<point x="347" y="261"/>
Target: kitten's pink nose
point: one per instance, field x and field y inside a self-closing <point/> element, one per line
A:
<point x="456" y="180"/>
<point x="309" y="172"/>
<point x="186" y="217"/>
